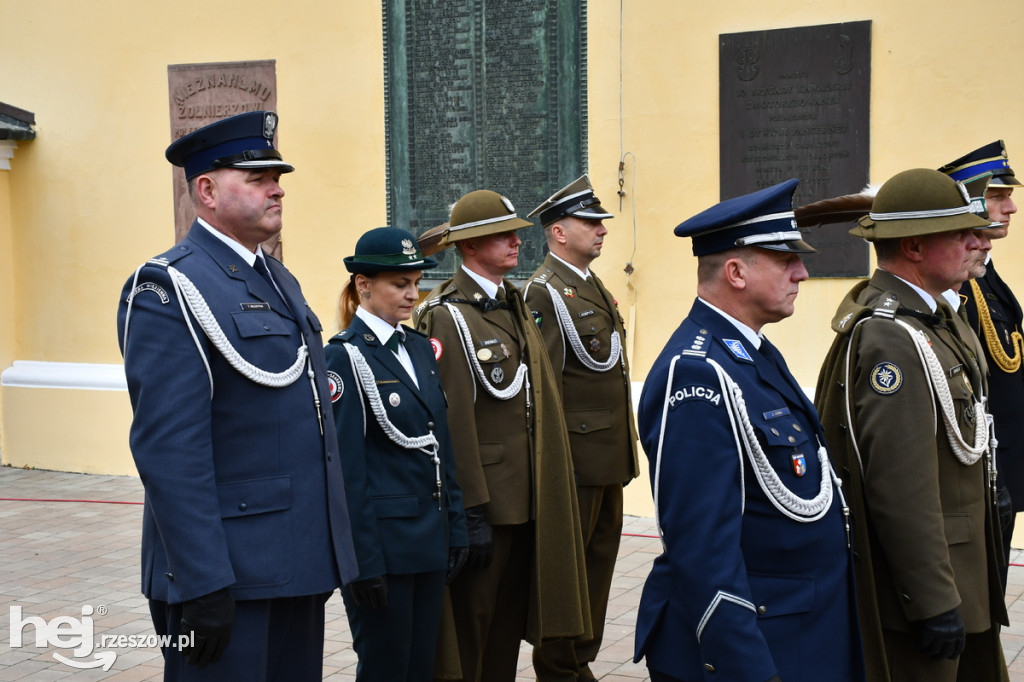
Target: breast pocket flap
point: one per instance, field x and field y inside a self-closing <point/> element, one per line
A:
<point x="255" y="323"/>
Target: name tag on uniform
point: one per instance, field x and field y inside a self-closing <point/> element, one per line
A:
<point x="490" y="342"/>
<point x="953" y="371"/>
<point x="255" y="306"/>
<point x="775" y="414"/>
<point x="587" y="313"/>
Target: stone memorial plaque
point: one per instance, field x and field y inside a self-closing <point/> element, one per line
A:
<point x="203" y="93"/>
<point x="482" y="94"/>
<point x="794" y="103"/>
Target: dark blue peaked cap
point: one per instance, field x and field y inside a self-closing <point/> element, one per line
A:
<point x="242" y="141"/>
<point x="763" y="218"/>
<point x="991" y="158"/>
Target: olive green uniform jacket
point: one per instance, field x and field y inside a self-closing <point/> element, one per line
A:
<point x="598" y="406"/>
<point x="512" y="455"/>
<point x="924" y="530"/>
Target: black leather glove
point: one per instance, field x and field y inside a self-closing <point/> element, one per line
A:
<point x="481" y="539"/>
<point x="942" y="636"/>
<point x="456" y="560"/>
<point x="373" y="592"/>
<point x="1005" y="506"/>
<point x="208" y="619"/>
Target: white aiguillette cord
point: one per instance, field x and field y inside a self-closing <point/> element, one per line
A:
<point x="190" y="296"/>
<point x="368" y="385"/>
<point x="569" y="329"/>
<point x="784" y="499"/>
<point x="510" y="391"/>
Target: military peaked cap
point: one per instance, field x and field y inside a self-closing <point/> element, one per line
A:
<point x="763" y="218"/>
<point x="242" y="141"/>
<point x="576" y="199"/>
<point x="991" y="158"/>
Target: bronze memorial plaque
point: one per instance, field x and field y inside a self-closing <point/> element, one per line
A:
<point x="794" y="103"/>
<point x="203" y="93"/>
<point x="482" y="94"/>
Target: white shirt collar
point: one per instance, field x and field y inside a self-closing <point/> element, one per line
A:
<point x="382" y="329"/>
<point x="249" y="256"/>
<point x="753" y="337"/>
<point x="489" y="287"/>
<point x="952" y="298"/>
<point x="581" y="273"/>
<point x="925" y="296"/>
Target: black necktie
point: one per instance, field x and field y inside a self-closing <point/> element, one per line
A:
<point x="261" y="267"/>
<point x="501" y="294"/>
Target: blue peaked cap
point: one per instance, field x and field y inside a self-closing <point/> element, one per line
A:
<point x="763" y="218"/>
<point x="991" y="158"/>
<point x="241" y="141"/>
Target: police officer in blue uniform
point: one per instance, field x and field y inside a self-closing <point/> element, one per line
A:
<point x="406" y="507"/>
<point x="245" y="528"/>
<point x="755" y="579"/>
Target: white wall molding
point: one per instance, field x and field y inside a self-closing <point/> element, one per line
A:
<point x="75" y="375"/>
<point x="7" y="148"/>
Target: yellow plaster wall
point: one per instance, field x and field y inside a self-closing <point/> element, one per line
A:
<point x="92" y="437"/>
<point x="7" y="317"/>
<point x="930" y="104"/>
<point x="91" y="196"/>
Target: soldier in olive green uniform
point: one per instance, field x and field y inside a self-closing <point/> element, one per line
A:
<point x="584" y="335"/>
<point x="902" y="399"/>
<point x="525" y="576"/>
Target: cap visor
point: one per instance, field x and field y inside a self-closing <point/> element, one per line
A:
<point x="791" y="246"/>
<point x="266" y="163"/>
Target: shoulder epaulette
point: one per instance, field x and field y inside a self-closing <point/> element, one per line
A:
<point x="698" y="346"/>
<point x="338" y="338"/>
<point x="886" y="305"/>
<point x="177" y="252"/>
<point x="435" y="299"/>
<point x="428" y="303"/>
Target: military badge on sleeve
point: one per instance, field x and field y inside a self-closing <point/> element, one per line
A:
<point x="150" y="286"/>
<point x="335" y="385"/>
<point x="438" y="348"/>
<point x="886" y="378"/>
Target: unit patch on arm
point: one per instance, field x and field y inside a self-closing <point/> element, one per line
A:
<point x="886" y="378"/>
<point x="335" y="384"/>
